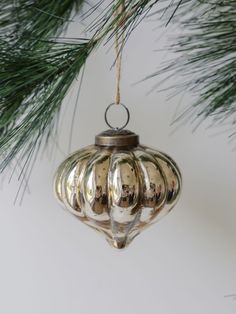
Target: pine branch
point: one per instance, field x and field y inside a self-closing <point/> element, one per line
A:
<point x="33" y="87"/>
<point x="206" y="65"/>
<point x="35" y="19"/>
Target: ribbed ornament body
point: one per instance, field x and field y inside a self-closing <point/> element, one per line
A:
<point x="117" y="186"/>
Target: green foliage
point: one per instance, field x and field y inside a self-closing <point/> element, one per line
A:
<point x="34" y="85"/>
<point x="36" y="73"/>
<point x="27" y="21"/>
<point x="206" y="62"/>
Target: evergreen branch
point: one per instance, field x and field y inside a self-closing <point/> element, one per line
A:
<point x="35" y="19"/>
<point x="35" y="74"/>
<point x="206" y="65"/>
<point x="32" y="89"/>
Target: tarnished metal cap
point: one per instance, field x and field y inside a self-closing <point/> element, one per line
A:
<point x="117" y="138"/>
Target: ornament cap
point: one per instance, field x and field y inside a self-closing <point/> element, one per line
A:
<point x="117" y="138"/>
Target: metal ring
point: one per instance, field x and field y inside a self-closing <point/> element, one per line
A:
<point x="128" y="116"/>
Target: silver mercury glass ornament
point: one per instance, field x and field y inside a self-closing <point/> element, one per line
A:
<point x="118" y="186"/>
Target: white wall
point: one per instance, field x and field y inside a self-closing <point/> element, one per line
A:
<point x="51" y="263"/>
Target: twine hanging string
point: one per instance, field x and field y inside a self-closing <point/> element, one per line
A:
<point x="120" y="18"/>
<point x="119" y="43"/>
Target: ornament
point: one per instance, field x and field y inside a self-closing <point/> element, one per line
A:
<point x="118" y="186"/>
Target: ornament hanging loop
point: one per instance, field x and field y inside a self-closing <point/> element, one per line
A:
<point x="127" y="120"/>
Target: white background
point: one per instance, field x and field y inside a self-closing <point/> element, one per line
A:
<point x="51" y="263"/>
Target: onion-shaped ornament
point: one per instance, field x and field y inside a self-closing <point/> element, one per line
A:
<point x="117" y="186"/>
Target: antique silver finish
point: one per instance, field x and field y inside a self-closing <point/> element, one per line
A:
<point x="117" y="186"/>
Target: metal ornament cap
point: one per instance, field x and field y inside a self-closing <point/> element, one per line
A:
<point x="117" y="138"/>
<point x="118" y="186"/>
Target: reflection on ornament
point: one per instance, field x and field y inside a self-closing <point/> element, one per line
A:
<point x="117" y="186"/>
